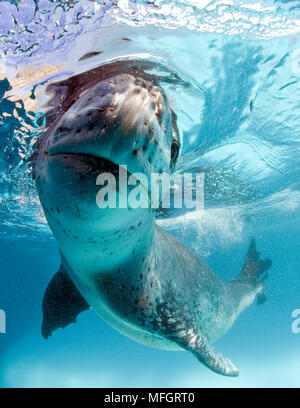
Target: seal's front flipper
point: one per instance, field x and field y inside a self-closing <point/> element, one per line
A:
<point x="191" y="340"/>
<point x="208" y="356"/>
<point x="62" y="302"/>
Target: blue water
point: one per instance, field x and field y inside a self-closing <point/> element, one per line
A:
<point x="237" y="97"/>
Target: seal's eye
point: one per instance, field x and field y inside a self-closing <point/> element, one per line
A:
<point x="174" y="152"/>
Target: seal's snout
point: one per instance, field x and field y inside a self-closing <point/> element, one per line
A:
<point x="138" y="107"/>
<point x="124" y="119"/>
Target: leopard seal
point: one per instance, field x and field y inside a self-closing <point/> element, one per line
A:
<point x="140" y="279"/>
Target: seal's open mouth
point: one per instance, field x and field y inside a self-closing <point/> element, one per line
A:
<point x="95" y="163"/>
<point x="85" y="164"/>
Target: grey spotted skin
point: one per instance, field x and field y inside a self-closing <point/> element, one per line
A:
<point x="137" y="277"/>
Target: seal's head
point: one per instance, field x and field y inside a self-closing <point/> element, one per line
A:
<point x="121" y="123"/>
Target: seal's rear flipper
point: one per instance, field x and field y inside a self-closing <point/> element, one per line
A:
<point x="254" y="266"/>
<point x="253" y="269"/>
<point x="62" y="302"/>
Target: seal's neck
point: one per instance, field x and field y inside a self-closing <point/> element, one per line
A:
<point x="110" y="252"/>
